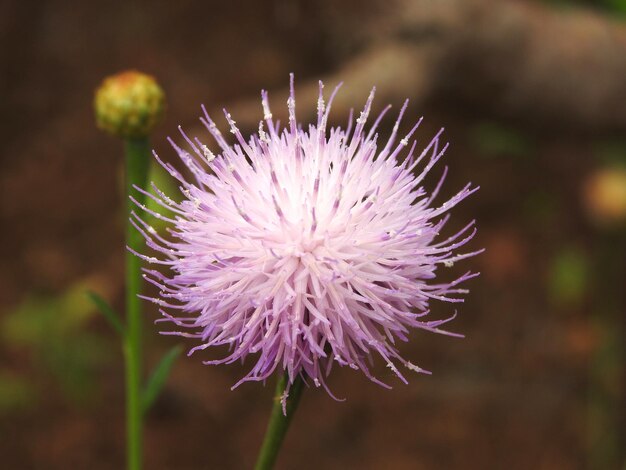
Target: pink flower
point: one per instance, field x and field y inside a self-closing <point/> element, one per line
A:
<point x="304" y="248"/>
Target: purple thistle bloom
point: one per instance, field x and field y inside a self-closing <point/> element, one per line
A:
<point x="305" y="248"/>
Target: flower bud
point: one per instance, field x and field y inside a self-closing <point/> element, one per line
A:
<point x="129" y="104"/>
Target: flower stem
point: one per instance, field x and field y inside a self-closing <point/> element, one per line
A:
<point x="279" y="423"/>
<point x="137" y="154"/>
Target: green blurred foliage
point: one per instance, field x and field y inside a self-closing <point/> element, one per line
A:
<point x="54" y="332"/>
<point x="15" y="393"/>
<point x="568" y="277"/>
<point x="611" y="152"/>
<point x="612" y="6"/>
<point x="540" y="206"/>
<point x="616" y="7"/>
<point x="605" y="390"/>
<point x="493" y="139"/>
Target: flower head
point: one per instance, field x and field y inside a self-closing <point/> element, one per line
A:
<point x="129" y="104"/>
<point x="305" y="248"/>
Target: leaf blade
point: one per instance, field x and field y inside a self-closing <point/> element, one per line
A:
<point x="158" y="377"/>
<point x="111" y="315"/>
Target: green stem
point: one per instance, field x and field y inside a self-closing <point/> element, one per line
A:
<point x="137" y="153"/>
<point x="279" y="423"/>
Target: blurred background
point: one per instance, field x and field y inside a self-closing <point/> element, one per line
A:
<point x="533" y="99"/>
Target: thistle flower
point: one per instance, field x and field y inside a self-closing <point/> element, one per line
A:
<point x="301" y="249"/>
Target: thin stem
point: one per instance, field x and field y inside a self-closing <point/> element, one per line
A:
<point x="279" y="423"/>
<point x="137" y="153"/>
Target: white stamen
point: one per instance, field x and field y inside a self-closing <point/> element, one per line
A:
<point x="210" y="156"/>
<point x="413" y="367"/>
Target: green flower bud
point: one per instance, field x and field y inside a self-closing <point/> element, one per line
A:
<point x="129" y="104"/>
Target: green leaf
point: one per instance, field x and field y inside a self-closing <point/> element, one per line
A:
<point x="493" y="139"/>
<point x="15" y="393"/>
<point x="108" y="312"/>
<point x="568" y="276"/>
<point x="158" y="377"/>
